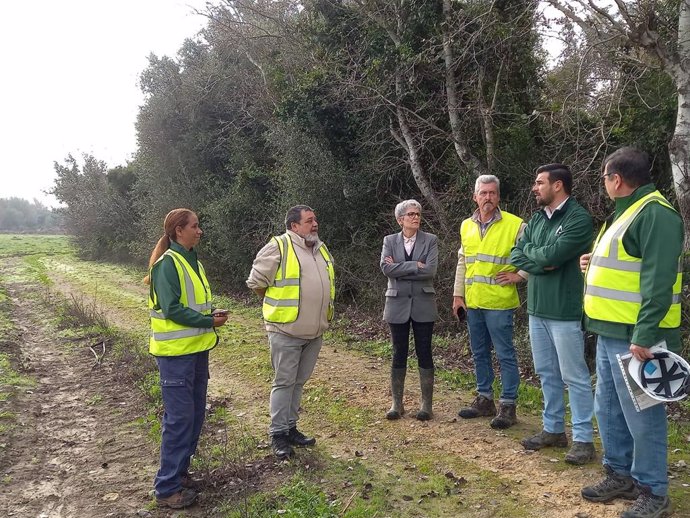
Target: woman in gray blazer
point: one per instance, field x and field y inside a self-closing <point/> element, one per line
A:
<point x="409" y="259"/>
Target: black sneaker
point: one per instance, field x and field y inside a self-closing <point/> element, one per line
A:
<point x="480" y="407"/>
<point x="281" y="446"/>
<point x="297" y="438"/>
<point x="544" y="439"/>
<point x="611" y="487"/>
<point x="648" y="505"/>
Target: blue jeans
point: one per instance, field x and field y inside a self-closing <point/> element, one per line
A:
<point x="487" y="327"/>
<point x="635" y="443"/>
<point x="184" y="383"/>
<point x="558" y="351"/>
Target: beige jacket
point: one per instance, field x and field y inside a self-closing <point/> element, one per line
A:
<point x="315" y="286"/>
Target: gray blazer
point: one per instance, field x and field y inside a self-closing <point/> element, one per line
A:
<point x="410" y="292"/>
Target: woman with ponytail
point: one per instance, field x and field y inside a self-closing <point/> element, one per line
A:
<point x="182" y="333"/>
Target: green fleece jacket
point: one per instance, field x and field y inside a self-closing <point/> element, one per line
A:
<point x="549" y="250"/>
<point x="656" y="237"/>
<point x="165" y="281"/>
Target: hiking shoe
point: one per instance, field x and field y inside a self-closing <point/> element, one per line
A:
<point x="480" y="407"/>
<point x="189" y="482"/>
<point x="280" y="443"/>
<point x="506" y="417"/>
<point x="648" y="505"/>
<point x="580" y="453"/>
<point x="544" y="439"/>
<point x="179" y="500"/>
<point x="611" y="487"/>
<point x="297" y="438"/>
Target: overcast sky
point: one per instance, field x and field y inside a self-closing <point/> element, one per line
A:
<point x="69" y="80"/>
<point x="70" y="70"/>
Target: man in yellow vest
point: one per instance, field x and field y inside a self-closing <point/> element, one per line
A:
<point x="632" y="302"/>
<point x="294" y="274"/>
<point x="485" y="289"/>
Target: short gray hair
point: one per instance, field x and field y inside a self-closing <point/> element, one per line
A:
<point x="401" y="208"/>
<point x="294" y="215"/>
<point x="487" y="178"/>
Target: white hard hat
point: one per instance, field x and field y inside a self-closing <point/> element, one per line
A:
<point x="665" y="377"/>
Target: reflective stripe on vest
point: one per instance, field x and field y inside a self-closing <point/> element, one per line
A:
<point x="169" y="338"/>
<point x="485" y="257"/>
<point x="282" y="298"/>
<point x="612" y="280"/>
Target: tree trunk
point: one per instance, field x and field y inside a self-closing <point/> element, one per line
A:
<point x="418" y="173"/>
<point x="459" y="142"/>
<point x="679" y="147"/>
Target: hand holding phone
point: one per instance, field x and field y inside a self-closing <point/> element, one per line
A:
<point x="220" y="313"/>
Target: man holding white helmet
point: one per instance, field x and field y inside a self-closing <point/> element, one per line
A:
<point x="632" y="302"/>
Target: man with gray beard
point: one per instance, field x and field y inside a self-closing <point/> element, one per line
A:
<point x="294" y="275"/>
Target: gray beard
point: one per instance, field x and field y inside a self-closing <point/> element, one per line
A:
<point x="311" y="239"/>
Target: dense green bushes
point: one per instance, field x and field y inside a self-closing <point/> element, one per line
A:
<point x="334" y="104"/>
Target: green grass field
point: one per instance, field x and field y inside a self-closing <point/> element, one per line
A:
<point x="33" y="244"/>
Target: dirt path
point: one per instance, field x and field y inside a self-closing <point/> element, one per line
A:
<point x="541" y="480"/>
<point x="74" y="452"/>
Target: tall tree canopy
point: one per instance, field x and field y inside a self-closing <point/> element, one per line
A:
<point x="353" y="105"/>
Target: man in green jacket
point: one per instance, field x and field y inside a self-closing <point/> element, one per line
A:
<point x="632" y="301"/>
<point x="549" y="250"/>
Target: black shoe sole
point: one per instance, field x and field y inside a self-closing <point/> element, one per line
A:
<point x="579" y="462"/>
<point x="501" y="425"/>
<point x="284" y="456"/>
<point x="303" y="444"/>
<point x="626" y="495"/>
<point x="475" y="416"/>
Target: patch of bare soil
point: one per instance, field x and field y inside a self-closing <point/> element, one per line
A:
<point x="542" y="480"/>
<point x="553" y="492"/>
<point x="74" y="451"/>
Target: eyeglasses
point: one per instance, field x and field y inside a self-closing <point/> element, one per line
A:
<point x="413" y="215"/>
<point x="607" y="175"/>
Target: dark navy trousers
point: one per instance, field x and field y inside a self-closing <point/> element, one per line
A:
<point x="184" y="383"/>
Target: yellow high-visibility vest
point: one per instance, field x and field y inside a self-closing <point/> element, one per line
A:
<point x="612" y="281"/>
<point x="486" y="257"/>
<point x="282" y="298"/>
<point x="169" y="338"/>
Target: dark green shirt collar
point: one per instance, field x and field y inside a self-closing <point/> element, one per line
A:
<point x="189" y="255"/>
<point x="624" y="202"/>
